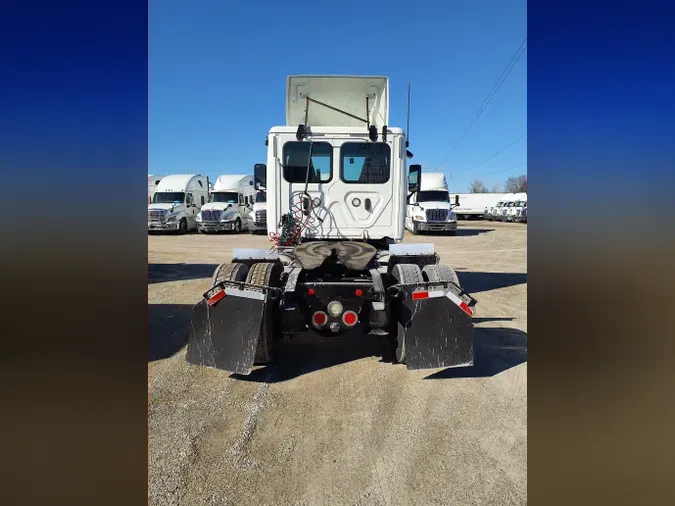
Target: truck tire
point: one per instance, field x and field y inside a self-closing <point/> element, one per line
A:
<point x="237" y="226"/>
<point x="415" y="230"/>
<point x="230" y="272"/>
<point x="404" y="273"/>
<point x="440" y="273"/>
<point x="182" y="226"/>
<point x="267" y="274"/>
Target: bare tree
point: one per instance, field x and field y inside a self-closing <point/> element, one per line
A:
<point x="496" y="189"/>
<point x="477" y="186"/>
<point x="516" y="184"/>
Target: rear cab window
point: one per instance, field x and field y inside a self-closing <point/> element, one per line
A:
<point x="365" y="162"/>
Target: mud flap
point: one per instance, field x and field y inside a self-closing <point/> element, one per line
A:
<point x="225" y="328"/>
<point x="438" y="333"/>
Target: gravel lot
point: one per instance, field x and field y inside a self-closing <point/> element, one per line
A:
<point x="333" y="422"/>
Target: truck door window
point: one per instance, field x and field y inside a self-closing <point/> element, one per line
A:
<point x="188" y="199"/>
<point x="295" y="157"/>
<point x="365" y="162"/>
<point x="241" y="199"/>
<point x="202" y="199"/>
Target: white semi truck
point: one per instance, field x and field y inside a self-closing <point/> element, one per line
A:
<point x="229" y="206"/>
<point x="176" y="203"/>
<point x="495" y="212"/>
<point x="337" y="187"/>
<point x="515" y="208"/>
<point x="429" y="209"/>
<point x="153" y="181"/>
<point x="257" y="220"/>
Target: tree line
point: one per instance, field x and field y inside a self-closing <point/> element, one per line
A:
<point x="517" y="184"/>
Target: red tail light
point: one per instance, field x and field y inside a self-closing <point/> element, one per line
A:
<point x="359" y="292"/>
<point x="311" y="291"/>
<point x="216" y="297"/>
<point x="350" y="318"/>
<point x="319" y="319"/>
<point x="420" y="295"/>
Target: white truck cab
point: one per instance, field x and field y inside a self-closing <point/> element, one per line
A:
<point x="495" y="212"/>
<point x="515" y="212"/>
<point x="176" y="203"/>
<point x="509" y="203"/>
<point x="229" y="205"/>
<point x="430" y="210"/>
<point x="257" y="221"/>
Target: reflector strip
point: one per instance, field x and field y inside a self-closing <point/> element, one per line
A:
<point x="216" y="297"/>
<point x="427" y="294"/>
<point x="462" y="305"/>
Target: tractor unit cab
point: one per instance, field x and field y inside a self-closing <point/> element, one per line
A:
<point x="229" y="206"/>
<point x="336" y="184"/>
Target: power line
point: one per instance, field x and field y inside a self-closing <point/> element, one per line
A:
<point x="506" y="170"/>
<point x="514" y="141"/>
<point x="509" y="67"/>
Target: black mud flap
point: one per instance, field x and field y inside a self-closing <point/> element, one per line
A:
<point x="225" y="328"/>
<point x="438" y="332"/>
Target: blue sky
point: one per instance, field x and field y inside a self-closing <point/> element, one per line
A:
<point x="217" y="74"/>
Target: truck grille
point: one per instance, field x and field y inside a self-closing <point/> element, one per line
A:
<point x="261" y="216"/>
<point x="209" y="215"/>
<point x="157" y="216"/>
<point x="437" y="215"/>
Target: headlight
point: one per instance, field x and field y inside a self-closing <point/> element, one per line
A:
<point x="171" y="218"/>
<point x="199" y="216"/>
<point x="227" y="218"/>
<point x="452" y="217"/>
<point x="418" y="217"/>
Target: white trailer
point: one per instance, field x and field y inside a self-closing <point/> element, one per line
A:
<point x="176" y="203"/>
<point x="337" y="185"/>
<point x="153" y="181"/>
<point x="230" y="204"/>
<point x="429" y="209"/>
<point x="475" y="205"/>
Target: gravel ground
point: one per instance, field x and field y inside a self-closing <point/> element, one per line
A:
<point x="333" y="422"/>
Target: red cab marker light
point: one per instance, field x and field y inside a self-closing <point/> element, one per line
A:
<point x="216" y="297"/>
<point x="420" y="294"/>
<point x="359" y="292"/>
<point x="311" y="291"/>
<point x="350" y="318"/>
<point x="466" y="308"/>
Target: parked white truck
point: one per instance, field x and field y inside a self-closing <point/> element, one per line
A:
<point x="337" y="184"/>
<point x="475" y="205"/>
<point x="257" y="220"/>
<point x="153" y="181"/>
<point x="176" y="203"/>
<point x="229" y="206"/>
<point x="495" y="212"/>
<point x="430" y="210"/>
<point x="515" y="208"/>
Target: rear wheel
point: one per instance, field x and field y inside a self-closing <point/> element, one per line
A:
<point x="182" y="226"/>
<point x="440" y="274"/>
<point x="230" y="272"/>
<point x="267" y="274"/>
<point x="403" y="273"/>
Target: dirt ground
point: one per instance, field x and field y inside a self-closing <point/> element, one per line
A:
<point x="333" y="422"/>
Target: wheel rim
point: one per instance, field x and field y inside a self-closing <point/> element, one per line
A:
<point x="237" y="226"/>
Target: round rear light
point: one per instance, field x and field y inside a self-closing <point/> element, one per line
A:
<point x="350" y="318"/>
<point x="359" y="292"/>
<point x="311" y="291"/>
<point x="334" y="308"/>
<point x="319" y="319"/>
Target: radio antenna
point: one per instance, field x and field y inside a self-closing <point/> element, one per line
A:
<point x="407" y="126"/>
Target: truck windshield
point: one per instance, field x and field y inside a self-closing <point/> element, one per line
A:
<point x="168" y="198"/>
<point x="260" y="198"/>
<point x="511" y="204"/>
<point x="365" y="162"/>
<point x="296" y="156"/>
<point x="433" y="196"/>
<point x="520" y="204"/>
<point x="227" y="197"/>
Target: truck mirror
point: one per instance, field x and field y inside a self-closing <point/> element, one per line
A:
<point x="457" y="200"/>
<point x="414" y="176"/>
<point x="260" y="175"/>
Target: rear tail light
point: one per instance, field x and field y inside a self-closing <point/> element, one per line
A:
<point x="319" y="319"/>
<point x="349" y="318"/>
